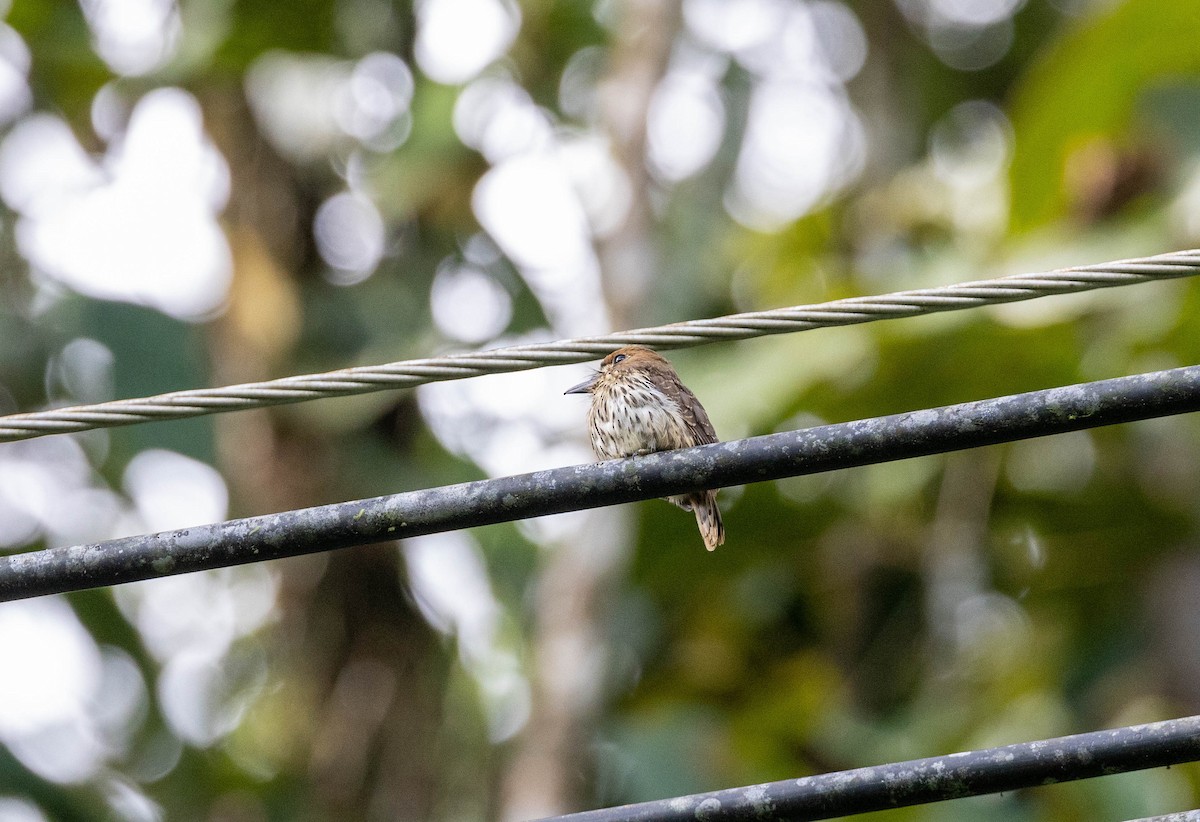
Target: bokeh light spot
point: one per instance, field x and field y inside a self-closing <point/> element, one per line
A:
<point x="456" y="39"/>
<point x="350" y="236"/>
<point x="468" y="304"/>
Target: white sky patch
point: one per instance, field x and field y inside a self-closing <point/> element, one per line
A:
<point x="961" y="13"/>
<point x="976" y="13"/>
<point x="82" y="372"/>
<point x="294" y="99"/>
<point x="51" y="665"/>
<point x="42" y="165"/>
<point x="190" y="622"/>
<point x="203" y="698"/>
<point x="597" y="181"/>
<point x="377" y="94"/>
<point x="733" y="25"/>
<point x="513" y="424"/>
<point x="31" y="479"/>
<point x="457" y="39"/>
<point x="15" y="94"/>
<point x="139" y="227"/>
<point x="529" y="207"/>
<point x="65" y="705"/>
<point x="810" y="40"/>
<point x="790" y="49"/>
<point x="543" y="199"/>
<point x="171" y="491"/>
<point x="840" y="37"/>
<point x="201" y="614"/>
<point x="468" y="304"/>
<point x="803" y="143"/>
<point x="685" y="124"/>
<point x="803" y="140"/>
<point x="498" y="118"/>
<point x="548" y="194"/>
<point x="133" y="36"/>
<point x="350" y="236"/>
<point x="510" y="423"/>
<point x="48" y="489"/>
<point x="17" y="525"/>
<point x="307" y="105"/>
<point x="110" y="112"/>
<point x="13" y="809"/>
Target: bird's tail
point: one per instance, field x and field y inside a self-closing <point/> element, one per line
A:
<point x="708" y="518"/>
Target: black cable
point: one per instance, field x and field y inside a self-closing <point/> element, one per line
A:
<point x="793" y="453"/>
<point x="920" y="781"/>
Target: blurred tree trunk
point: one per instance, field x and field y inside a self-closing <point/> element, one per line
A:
<point x="641" y="52"/>
<point x="369" y="668"/>
<point x="955" y="559"/>
<point x="550" y="771"/>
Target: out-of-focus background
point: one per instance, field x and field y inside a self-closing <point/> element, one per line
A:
<point x="205" y="192"/>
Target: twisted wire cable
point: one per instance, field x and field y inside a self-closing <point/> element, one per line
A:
<point x="411" y="373"/>
<point x="764" y="458"/>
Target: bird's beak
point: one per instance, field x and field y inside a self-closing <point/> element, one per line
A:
<point x="584" y="387"/>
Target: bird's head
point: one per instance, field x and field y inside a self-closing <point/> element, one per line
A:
<point x="621" y="363"/>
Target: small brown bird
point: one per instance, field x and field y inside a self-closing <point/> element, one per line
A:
<point x="640" y="406"/>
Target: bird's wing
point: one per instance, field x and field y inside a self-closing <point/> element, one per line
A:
<point x="693" y="413"/>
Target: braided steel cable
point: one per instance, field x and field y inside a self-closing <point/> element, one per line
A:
<point x="576" y="487"/>
<point x="411" y="373"/>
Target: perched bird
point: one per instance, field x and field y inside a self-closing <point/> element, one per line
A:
<point x="640" y="406"/>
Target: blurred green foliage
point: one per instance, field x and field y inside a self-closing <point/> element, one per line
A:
<point x="888" y="612"/>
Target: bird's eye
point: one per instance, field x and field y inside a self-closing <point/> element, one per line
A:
<point x="618" y="358"/>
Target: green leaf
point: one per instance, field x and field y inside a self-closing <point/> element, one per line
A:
<point x="1088" y="85"/>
